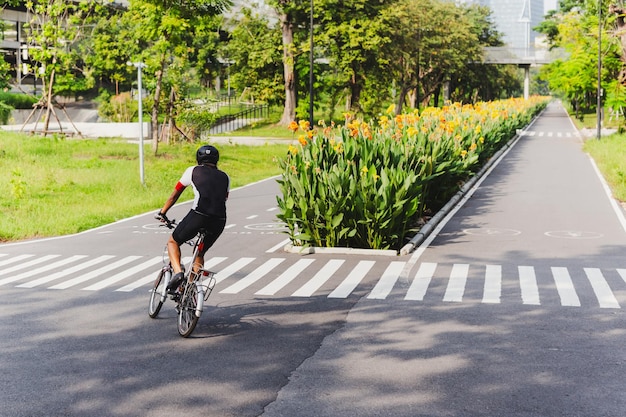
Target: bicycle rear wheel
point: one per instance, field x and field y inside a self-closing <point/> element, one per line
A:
<point x="187" y="318"/>
<point x="156" y="299"/>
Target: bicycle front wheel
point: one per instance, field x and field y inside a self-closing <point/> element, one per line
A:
<point x="187" y="318"/>
<point x="156" y="295"/>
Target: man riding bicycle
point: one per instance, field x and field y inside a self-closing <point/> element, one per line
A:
<point x="211" y="187"/>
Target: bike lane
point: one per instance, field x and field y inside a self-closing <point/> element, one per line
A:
<point x="537" y="231"/>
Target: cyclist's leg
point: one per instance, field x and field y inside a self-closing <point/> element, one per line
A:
<point x="184" y="231"/>
<point x="214" y="229"/>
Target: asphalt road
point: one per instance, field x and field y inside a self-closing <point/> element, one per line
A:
<point x="512" y="307"/>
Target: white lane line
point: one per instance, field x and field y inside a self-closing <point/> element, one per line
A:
<point x="61" y="274"/>
<point x="606" y="299"/>
<point x="94" y="273"/>
<point x="319" y="279"/>
<point x="565" y="287"/>
<point x="456" y="284"/>
<point x="528" y="285"/>
<point x="493" y="284"/>
<point x="285" y="278"/>
<point x="384" y="286"/>
<point x="124" y="274"/>
<point x="352" y="280"/>
<point x="420" y="283"/>
<point x="253" y="277"/>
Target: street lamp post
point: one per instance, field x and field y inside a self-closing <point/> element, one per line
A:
<point x="139" y="66"/>
<point x="311" y="71"/>
<point x="599" y="93"/>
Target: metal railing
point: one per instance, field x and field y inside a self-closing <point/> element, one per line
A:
<point x="236" y="121"/>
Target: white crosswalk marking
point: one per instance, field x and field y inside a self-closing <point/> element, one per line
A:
<point x="319" y="279"/>
<point x="312" y="276"/>
<point x="124" y="274"/>
<point x="94" y="273"/>
<point x="565" y="287"/>
<point x="528" y="285"/>
<point x="456" y="284"/>
<point x="34" y="272"/>
<point x="387" y="281"/>
<point x="23" y="266"/>
<point x="493" y="284"/>
<point x="253" y="277"/>
<point x="70" y="271"/>
<point x="285" y="278"/>
<point x="420" y="283"/>
<point x="231" y="269"/>
<point x="606" y="299"/>
<point x="353" y="279"/>
<point x="14" y="259"/>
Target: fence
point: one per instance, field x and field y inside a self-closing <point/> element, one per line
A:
<point x="238" y="120"/>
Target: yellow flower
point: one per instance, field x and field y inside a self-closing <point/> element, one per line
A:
<point x="293" y="126"/>
<point x="302" y="140"/>
<point x="472" y="147"/>
<point x="293" y="150"/>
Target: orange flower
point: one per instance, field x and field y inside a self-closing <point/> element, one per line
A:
<point x="293" y="126"/>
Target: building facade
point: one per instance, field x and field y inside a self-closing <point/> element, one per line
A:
<point x="515" y="19"/>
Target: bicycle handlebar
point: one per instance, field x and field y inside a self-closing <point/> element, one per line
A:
<point x="170" y="224"/>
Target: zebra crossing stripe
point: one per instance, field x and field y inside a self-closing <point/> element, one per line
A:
<point x="94" y="273"/>
<point x="493" y="284"/>
<point x="124" y="274"/>
<point x="420" y="283"/>
<point x="285" y="278"/>
<point x="601" y="288"/>
<point x="23" y="266"/>
<point x="253" y="277"/>
<point x="456" y="284"/>
<point x="528" y="285"/>
<point x="353" y="279"/>
<point x="231" y="269"/>
<point x="385" y="284"/>
<point x="69" y="271"/>
<point x="15" y="259"/>
<point x="34" y="272"/>
<point x="319" y="279"/>
<point x="565" y="287"/>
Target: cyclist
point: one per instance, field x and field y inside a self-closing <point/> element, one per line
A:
<point x="211" y="187"/>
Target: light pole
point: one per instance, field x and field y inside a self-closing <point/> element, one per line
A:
<point x="311" y="71"/>
<point x="599" y="104"/>
<point x="139" y="66"/>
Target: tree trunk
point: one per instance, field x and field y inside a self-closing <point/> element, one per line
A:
<point x="289" y="113"/>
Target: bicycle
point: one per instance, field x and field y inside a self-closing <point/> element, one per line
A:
<point x="197" y="285"/>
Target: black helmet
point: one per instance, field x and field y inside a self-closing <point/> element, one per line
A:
<point x="207" y="154"/>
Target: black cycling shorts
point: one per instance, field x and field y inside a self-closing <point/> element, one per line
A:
<point x="189" y="226"/>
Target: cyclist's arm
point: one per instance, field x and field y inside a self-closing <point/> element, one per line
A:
<point x="173" y="198"/>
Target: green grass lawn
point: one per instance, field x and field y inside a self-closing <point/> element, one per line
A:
<point x="58" y="186"/>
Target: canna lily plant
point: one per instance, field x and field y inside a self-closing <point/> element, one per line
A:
<point x="368" y="185"/>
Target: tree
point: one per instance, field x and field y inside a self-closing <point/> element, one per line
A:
<point x="254" y="57"/>
<point x="351" y="34"/>
<point x="54" y="31"/>
<point x="164" y="33"/>
<point x="429" y="39"/>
